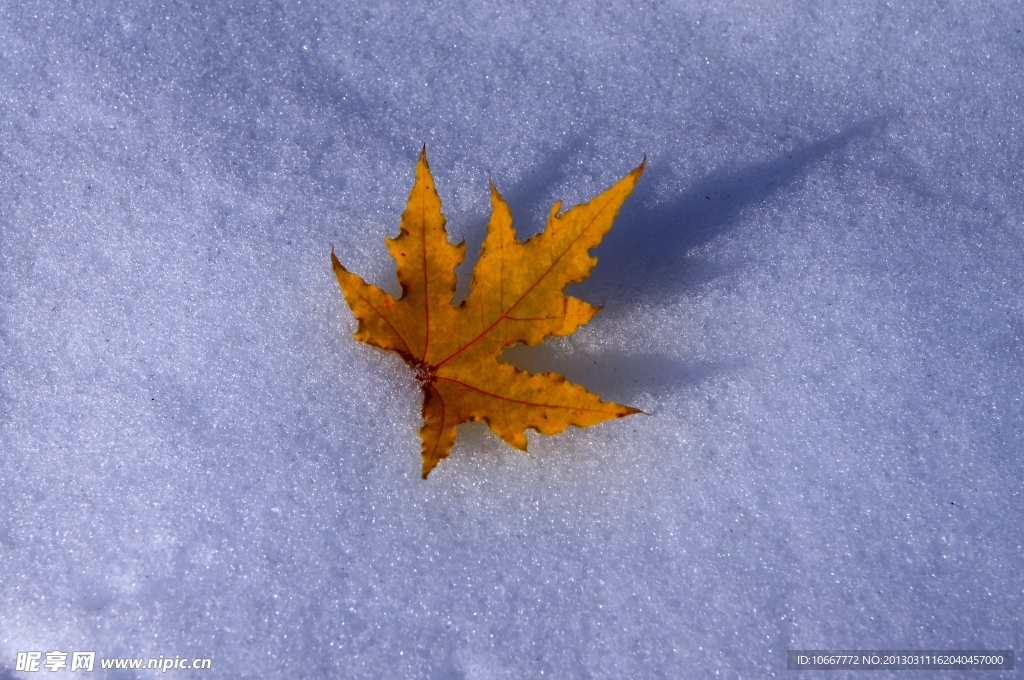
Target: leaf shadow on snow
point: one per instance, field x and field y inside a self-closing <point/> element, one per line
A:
<point x="647" y="258"/>
<point x="531" y="197"/>
<point x="616" y="374"/>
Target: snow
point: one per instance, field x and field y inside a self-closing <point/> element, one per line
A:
<point x="815" y="291"/>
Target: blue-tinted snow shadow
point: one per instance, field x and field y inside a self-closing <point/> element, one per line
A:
<point x="617" y="374"/>
<point x="647" y="256"/>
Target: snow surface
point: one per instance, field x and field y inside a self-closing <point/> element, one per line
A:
<point x="816" y="291"/>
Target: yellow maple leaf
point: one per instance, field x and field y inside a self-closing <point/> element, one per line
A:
<point x="516" y="296"/>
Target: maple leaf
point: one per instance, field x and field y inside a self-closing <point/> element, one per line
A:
<point x="516" y="296"/>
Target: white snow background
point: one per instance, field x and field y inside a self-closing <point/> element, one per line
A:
<point x="816" y="291"/>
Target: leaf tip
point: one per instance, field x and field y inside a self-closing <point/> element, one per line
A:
<point x="422" y="165"/>
<point x="424" y="176"/>
<point x="428" y="466"/>
<point x="335" y="262"/>
<point x="639" y="170"/>
<point x="629" y="411"/>
<point x="496" y="197"/>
